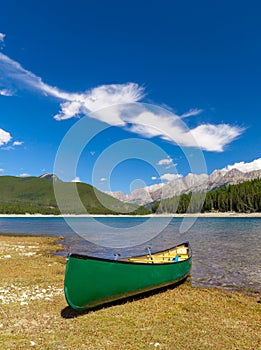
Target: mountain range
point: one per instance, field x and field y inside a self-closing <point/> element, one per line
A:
<point x="36" y="194"/>
<point x="192" y="183"/>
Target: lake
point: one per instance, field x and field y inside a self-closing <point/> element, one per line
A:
<point x="226" y="251"/>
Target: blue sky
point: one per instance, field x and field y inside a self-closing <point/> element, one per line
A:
<point x="62" y="61"/>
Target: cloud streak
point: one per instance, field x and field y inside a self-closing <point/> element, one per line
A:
<point x="191" y="113"/>
<point x="6" y="92"/>
<point x="2" y="36"/>
<point x="91" y="100"/>
<point x="17" y="143"/>
<point x="143" y="120"/>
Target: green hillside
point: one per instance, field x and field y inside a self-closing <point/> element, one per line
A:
<point x="242" y="198"/>
<point x="35" y="195"/>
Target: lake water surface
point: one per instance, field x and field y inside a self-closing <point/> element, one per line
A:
<point x="226" y="251"/>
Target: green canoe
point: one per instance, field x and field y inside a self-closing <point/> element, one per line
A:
<point x="91" y="281"/>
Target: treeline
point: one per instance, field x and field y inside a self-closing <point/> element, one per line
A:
<point x="241" y="198"/>
<point x="24" y="208"/>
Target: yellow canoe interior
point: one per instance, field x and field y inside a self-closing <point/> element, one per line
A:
<point x="176" y="254"/>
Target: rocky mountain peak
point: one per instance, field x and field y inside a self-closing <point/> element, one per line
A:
<point x="50" y="177"/>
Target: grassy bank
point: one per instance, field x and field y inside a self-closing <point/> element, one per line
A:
<point x="34" y="313"/>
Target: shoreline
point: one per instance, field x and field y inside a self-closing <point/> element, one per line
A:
<point x="55" y="245"/>
<point x="36" y="314"/>
<point x="187" y="215"/>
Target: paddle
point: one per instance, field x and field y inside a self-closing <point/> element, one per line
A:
<point x="116" y="255"/>
<point x="149" y="251"/>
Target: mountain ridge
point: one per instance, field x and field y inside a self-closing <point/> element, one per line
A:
<point x="194" y="183"/>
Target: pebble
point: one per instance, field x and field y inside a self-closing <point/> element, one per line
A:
<point x="27" y="254"/>
<point x="23" y="295"/>
<point x="17" y="293"/>
<point x="155" y="344"/>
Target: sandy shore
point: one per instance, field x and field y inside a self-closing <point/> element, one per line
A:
<point x="200" y="215"/>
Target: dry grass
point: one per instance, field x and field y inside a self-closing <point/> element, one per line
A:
<point x="34" y="313"/>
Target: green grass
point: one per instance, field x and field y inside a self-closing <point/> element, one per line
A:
<point x="178" y="318"/>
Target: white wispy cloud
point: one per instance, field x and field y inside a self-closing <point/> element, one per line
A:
<point x="15" y="74"/>
<point x="24" y="175"/>
<point x="2" y="37"/>
<point x="68" y="110"/>
<point x="165" y="161"/>
<point x="6" y="92"/>
<point x="98" y="98"/>
<point x="18" y="143"/>
<point x="2" y="170"/>
<point x="7" y="148"/>
<point x="170" y="177"/>
<point x="76" y="179"/>
<point x="153" y="178"/>
<point x="5" y="137"/>
<point x="168" y="162"/>
<point x="137" y="118"/>
<point x="169" y="127"/>
<point x="74" y="103"/>
<point x="191" y="113"/>
<point x="244" y="166"/>
<point x="103" y="179"/>
<point x="215" y="137"/>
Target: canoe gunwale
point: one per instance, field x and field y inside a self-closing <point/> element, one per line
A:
<point x="87" y="257"/>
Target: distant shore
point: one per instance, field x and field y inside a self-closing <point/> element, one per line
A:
<point x="200" y="215"/>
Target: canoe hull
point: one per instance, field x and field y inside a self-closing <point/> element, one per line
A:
<point x="92" y="281"/>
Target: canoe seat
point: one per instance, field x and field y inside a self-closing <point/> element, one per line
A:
<point x="172" y="255"/>
<point x="182" y="251"/>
